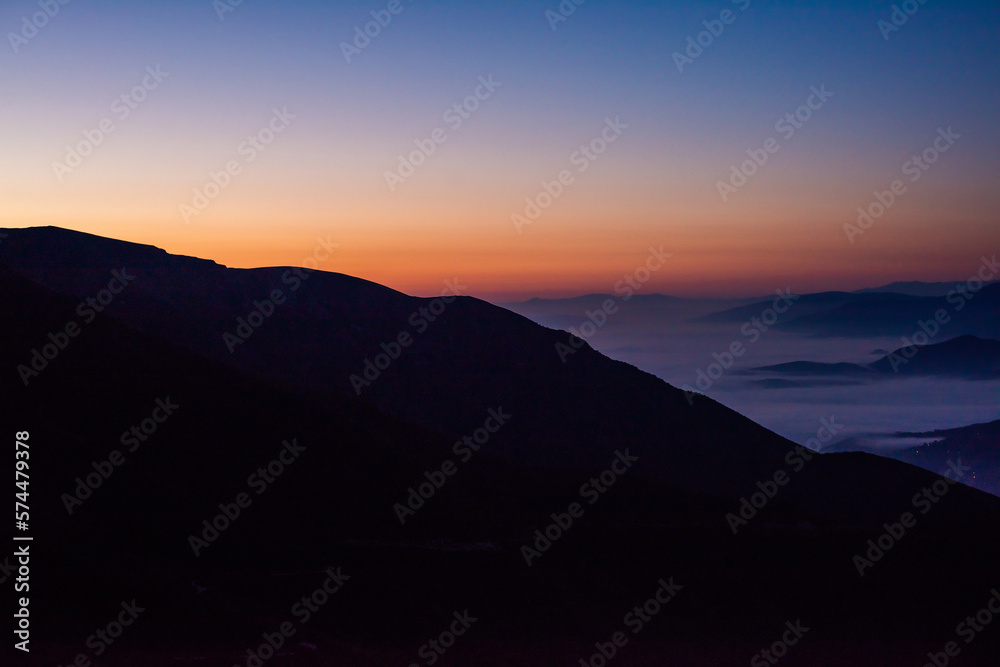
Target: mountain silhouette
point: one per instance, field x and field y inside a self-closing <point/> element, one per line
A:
<point x="869" y="314"/>
<point x="914" y="288"/>
<point x="161" y="338"/>
<point x="977" y="445"/>
<point x="567" y="415"/>
<point x="966" y="356"/>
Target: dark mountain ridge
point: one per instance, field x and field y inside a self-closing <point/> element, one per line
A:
<point x="870" y="314"/>
<point x="915" y="288"/>
<point x="963" y="356"/>
<point x="666" y="517"/>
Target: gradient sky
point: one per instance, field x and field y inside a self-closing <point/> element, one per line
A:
<point x="324" y="175"/>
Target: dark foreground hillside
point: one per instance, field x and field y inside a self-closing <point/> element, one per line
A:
<point x="327" y="516"/>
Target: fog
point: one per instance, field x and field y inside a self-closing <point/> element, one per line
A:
<point x="665" y="337"/>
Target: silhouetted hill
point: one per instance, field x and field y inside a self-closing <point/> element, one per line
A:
<point x="334" y="507"/>
<point x="802" y="304"/>
<point x="900" y="315"/>
<point x="978" y="446"/>
<point x="913" y="288"/>
<point x="965" y="356"/>
<point x="842" y="314"/>
<point x="566" y="415"/>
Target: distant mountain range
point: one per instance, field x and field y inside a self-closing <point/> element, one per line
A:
<point x="963" y="356"/>
<point x="897" y="309"/>
<point x="842" y="314"/>
<point x="915" y="288"/>
<point x="978" y="446"/>
<point x="386" y="392"/>
<point x="905" y="288"/>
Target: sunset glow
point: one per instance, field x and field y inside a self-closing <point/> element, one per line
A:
<point x="552" y="91"/>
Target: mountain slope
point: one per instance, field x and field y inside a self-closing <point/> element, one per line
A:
<point x="665" y="517"/>
<point x="978" y="446"/>
<point x="864" y="314"/>
<point x="913" y="288"/>
<point x="565" y="415"/>
<point x="966" y="356"/>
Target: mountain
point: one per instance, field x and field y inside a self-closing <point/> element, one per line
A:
<point x="976" y="313"/>
<point x="978" y="446"/>
<point x="158" y="339"/>
<point x="966" y="356"/>
<point x="799" y="306"/>
<point x="333" y="327"/>
<point x="914" y="288"/>
<point x="963" y="311"/>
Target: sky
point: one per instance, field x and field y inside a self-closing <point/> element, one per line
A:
<point x="263" y="133"/>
